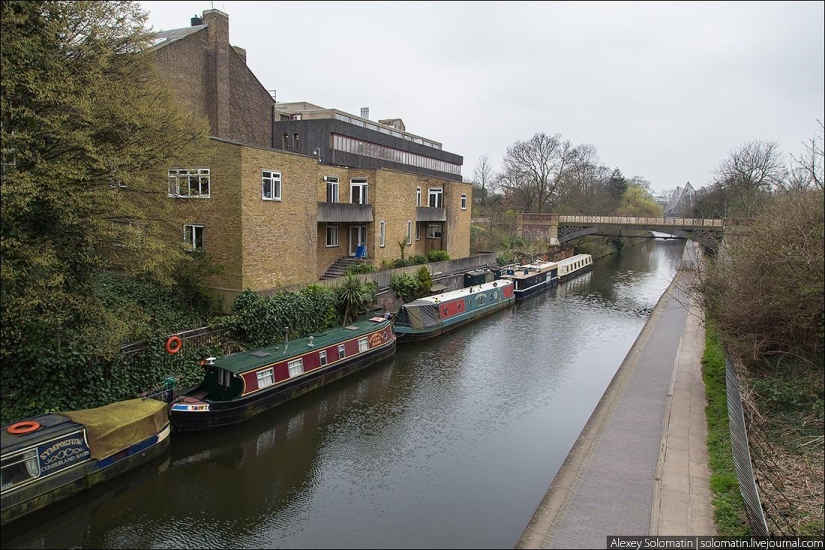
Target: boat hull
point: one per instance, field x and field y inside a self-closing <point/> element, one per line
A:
<point x="227" y="413"/>
<point x="71" y="481"/>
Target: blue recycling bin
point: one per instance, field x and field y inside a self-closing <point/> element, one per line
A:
<point x="361" y="251"/>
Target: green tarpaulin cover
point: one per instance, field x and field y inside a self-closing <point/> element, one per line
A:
<point x="117" y="426"/>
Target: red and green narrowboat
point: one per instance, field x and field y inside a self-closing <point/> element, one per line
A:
<point x="428" y="317"/>
<point x="242" y="385"/>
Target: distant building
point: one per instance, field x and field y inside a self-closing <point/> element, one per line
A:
<point x="680" y="204"/>
<point x="286" y="189"/>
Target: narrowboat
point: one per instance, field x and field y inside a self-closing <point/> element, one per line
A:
<point x="531" y="279"/>
<point x="242" y="385"/>
<point x="575" y="265"/>
<point x="428" y="317"/>
<point x="50" y="457"/>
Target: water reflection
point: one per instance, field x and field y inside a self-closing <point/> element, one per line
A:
<point x="450" y="443"/>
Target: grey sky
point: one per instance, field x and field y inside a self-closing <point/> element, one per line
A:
<point x="663" y="90"/>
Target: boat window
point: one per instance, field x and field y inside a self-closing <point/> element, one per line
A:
<point x="363" y="345"/>
<point x="265" y="378"/>
<point x="296" y="367"/>
<point x="323" y="356"/>
<point x="20" y="468"/>
<point x="342" y="352"/>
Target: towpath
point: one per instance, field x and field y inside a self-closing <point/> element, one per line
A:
<point x="640" y="465"/>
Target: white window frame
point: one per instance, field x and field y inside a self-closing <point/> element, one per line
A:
<point x="435" y="197"/>
<point x="431" y="234"/>
<point x="266" y="378"/>
<point x="273" y="178"/>
<point x="363" y="345"/>
<point x="363" y="190"/>
<point x="409" y="231"/>
<point x="464" y="202"/>
<point x="418" y="232"/>
<point x="190" y="231"/>
<point x="295" y="367"/>
<point x="333" y="189"/>
<point x="199" y="178"/>
<point x="382" y="233"/>
<point x="322" y="357"/>
<point x="342" y="351"/>
<point x="417" y="196"/>
<point x="334" y="243"/>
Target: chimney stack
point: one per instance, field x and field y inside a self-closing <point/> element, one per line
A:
<point x="365" y="112"/>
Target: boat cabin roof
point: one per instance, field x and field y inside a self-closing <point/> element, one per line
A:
<point x="453" y="294"/>
<point x="51" y="426"/>
<point x="528" y="270"/>
<point x="253" y="359"/>
<point x="573" y="259"/>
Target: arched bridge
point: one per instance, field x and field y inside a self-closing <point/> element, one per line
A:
<point x="558" y="229"/>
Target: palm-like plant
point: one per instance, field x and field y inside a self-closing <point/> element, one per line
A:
<point x="353" y="295"/>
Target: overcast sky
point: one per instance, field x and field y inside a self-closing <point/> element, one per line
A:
<point x="663" y="90"/>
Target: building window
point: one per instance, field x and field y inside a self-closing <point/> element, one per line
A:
<point x="193" y="236"/>
<point x="322" y="355"/>
<point x="270" y="185"/>
<point x="436" y="198"/>
<point x="285" y="142"/>
<point x="409" y="232"/>
<point x="418" y="232"/>
<point x="433" y="230"/>
<point x="373" y="150"/>
<point x="296" y="141"/>
<point x="358" y="191"/>
<point x="332" y="189"/>
<point x="342" y="351"/>
<point x="363" y="345"/>
<point x="382" y="235"/>
<point x="265" y="378"/>
<point x="418" y="196"/>
<point x="186" y="182"/>
<point x="332" y="234"/>
<point x="296" y="367"/>
<point x="464" y="202"/>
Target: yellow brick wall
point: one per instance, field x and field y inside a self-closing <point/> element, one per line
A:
<point x="457" y="231"/>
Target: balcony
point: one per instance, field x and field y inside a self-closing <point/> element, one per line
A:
<point x="428" y="214"/>
<point x="335" y="212"/>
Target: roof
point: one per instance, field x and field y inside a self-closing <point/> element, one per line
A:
<point x="573" y="259"/>
<point x="164" y="38"/>
<point x="253" y="359"/>
<point x="475" y="289"/>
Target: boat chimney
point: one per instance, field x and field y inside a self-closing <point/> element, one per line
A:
<point x="310" y="339"/>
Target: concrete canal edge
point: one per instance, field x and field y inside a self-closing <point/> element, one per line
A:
<point x="542" y="521"/>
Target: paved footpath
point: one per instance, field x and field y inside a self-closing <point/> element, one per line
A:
<point x="640" y="465"/>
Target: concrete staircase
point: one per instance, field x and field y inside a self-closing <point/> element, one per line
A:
<point x="340" y="267"/>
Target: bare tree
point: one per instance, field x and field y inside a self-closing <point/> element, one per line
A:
<point x="748" y="176"/>
<point x="484" y="177"/>
<point x="532" y="170"/>
<point x="808" y="170"/>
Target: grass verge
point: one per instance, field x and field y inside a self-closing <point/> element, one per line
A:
<point x="728" y="508"/>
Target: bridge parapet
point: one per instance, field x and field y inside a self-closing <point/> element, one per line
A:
<point x="633" y="220"/>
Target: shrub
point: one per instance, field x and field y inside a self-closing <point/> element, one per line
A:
<point x="406" y="286"/>
<point x="418" y="259"/>
<point x="401" y="262"/>
<point x="438" y="255"/>
<point x="425" y="281"/>
<point x="362" y="268"/>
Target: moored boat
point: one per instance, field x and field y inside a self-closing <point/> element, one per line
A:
<point x="428" y="317"/>
<point x="531" y="279"/>
<point x="242" y="385"/>
<point x="575" y="265"/>
<point x="50" y="457"/>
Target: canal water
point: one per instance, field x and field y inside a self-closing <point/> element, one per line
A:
<point x="450" y="443"/>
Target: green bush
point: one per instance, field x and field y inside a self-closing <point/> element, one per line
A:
<point x="425" y="281"/>
<point x="362" y="268"/>
<point x="438" y="255"/>
<point x="401" y="262"/>
<point x="418" y="259"/>
<point x="406" y="286"/>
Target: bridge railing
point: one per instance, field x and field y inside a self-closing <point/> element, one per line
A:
<point x="633" y="220"/>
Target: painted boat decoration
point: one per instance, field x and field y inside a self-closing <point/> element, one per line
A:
<point x="531" y="279"/>
<point x="428" y="317"/>
<point x="575" y="265"/>
<point x="242" y="385"/>
<point x="50" y="457"/>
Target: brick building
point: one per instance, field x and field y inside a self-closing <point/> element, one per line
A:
<point x="285" y="189"/>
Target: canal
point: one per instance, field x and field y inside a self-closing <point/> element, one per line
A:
<point x="450" y="443"/>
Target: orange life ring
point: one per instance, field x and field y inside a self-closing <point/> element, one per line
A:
<point x="23" y="428"/>
<point x="173" y="345"/>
